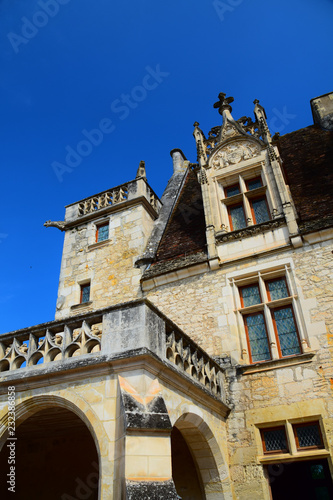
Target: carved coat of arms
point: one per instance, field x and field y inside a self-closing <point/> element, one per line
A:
<point x="234" y="153"/>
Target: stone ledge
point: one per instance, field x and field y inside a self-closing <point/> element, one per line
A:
<point x="246" y="232"/>
<point x="288" y="457"/>
<point x="99" y="244"/>
<point x="83" y="305"/>
<point x="275" y="363"/>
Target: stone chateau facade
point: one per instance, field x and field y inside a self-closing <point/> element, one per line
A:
<point x="191" y="352"/>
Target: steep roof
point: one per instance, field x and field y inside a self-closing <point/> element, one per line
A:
<point x="184" y="238"/>
<point x="307" y="156"/>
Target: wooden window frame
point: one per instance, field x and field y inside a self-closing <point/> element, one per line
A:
<point x="258" y="177"/>
<point x="245" y="316"/>
<point x="230" y="218"/>
<point x="84" y="285"/>
<point x="247" y="286"/>
<point x="271" y="281"/>
<point x="231" y="186"/>
<point x="252" y="210"/>
<point x="98" y="228"/>
<point x="276" y="428"/>
<point x="306" y="448"/>
<point x="290" y="306"/>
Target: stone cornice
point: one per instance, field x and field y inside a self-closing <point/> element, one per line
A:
<point x="223" y="236"/>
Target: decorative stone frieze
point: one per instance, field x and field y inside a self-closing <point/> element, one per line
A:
<point x="223" y="236"/>
<point x="234" y="153"/>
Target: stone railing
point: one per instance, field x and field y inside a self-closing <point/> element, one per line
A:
<point x="54" y="342"/>
<point x="119" y="194"/>
<point x="126" y="330"/>
<point x="193" y="360"/>
<point x="104" y="200"/>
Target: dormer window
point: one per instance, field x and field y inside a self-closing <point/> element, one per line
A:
<point x="245" y="203"/>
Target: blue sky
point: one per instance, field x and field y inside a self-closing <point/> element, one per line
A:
<point x="142" y="72"/>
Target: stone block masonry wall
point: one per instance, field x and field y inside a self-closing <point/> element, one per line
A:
<point x="203" y="307"/>
<point x="196" y="305"/>
<point x="294" y="393"/>
<point x="109" y="265"/>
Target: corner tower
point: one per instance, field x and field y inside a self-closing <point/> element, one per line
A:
<point x="104" y="235"/>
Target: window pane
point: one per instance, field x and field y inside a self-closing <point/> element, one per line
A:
<point x="277" y="289"/>
<point x="317" y="471"/>
<point x="308" y="436"/>
<point x="256" y="330"/>
<point x="85" y="293"/>
<point x="102" y="233"/>
<point x="286" y="328"/>
<point x="322" y="493"/>
<point x="275" y="440"/>
<point x="250" y="295"/>
<point x="232" y="190"/>
<point x="260" y="211"/>
<point x="254" y="184"/>
<point x="237" y="217"/>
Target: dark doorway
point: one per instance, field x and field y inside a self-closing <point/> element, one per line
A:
<point x="308" y="480"/>
<point x="184" y="472"/>
<point x="55" y="458"/>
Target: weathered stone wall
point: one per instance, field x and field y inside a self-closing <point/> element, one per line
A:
<point x="203" y="306"/>
<point x="108" y="265"/>
<point x="139" y="455"/>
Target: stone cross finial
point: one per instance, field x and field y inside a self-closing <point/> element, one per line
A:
<point x="223" y="103"/>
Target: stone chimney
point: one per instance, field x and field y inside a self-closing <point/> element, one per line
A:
<point x="322" y="111"/>
<point x="178" y="159"/>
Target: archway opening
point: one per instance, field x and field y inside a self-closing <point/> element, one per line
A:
<point x="199" y="460"/>
<point x="184" y="470"/>
<point x="55" y="458"/>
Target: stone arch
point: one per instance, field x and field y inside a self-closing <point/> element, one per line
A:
<point x="32" y="406"/>
<point x="79" y="406"/>
<point x="207" y="456"/>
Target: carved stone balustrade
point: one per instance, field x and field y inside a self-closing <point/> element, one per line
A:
<point x="127" y="331"/>
<point x="50" y="342"/>
<point x="127" y="193"/>
<point x="193" y="360"/>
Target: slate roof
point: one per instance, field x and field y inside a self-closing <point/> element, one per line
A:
<point x="184" y="238"/>
<point x="307" y="156"/>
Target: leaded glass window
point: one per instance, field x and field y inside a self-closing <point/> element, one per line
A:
<point x="277" y="289"/>
<point x="250" y="295"/>
<point x="85" y="293"/>
<point x="237" y="217"/>
<point x="274" y="440"/>
<point x="257" y="337"/>
<point x="254" y="183"/>
<point x="308" y="436"/>
<point x="232" y="190"/>
<point x="260" y="211"/>
<point x="102" y="233"/>
<point x="287" y="332"/>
